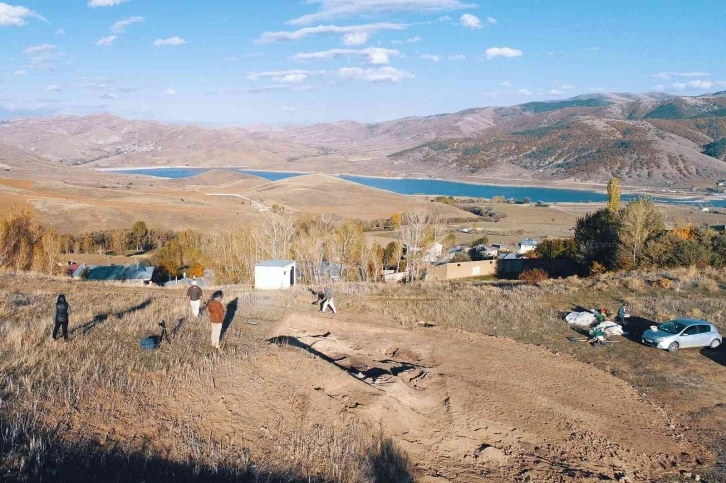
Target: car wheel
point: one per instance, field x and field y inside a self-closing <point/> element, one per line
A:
<point x="714" y="344"/>
<point x="673" y="347"/>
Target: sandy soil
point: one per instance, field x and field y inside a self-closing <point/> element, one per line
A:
<point x="466" y="407"/>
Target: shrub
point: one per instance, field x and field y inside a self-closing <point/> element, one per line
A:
<point x="598" y="268"/>
<point x="663" y="283"/>
<point x="708" y="285"/>
<point x="533" y="276"/>
<point x="480" y="241"/>
<point x="196" y="270"/>
<point x="461" y="256"/>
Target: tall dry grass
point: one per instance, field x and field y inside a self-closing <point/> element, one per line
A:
<point x="97" y="405"/>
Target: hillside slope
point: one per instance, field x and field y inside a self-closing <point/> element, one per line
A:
<point x="649" y="138"/>
<point x="317" y="193"/>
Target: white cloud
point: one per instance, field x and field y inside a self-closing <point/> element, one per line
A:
<point x="170" y="92"/>
<point x="20" y="72"/>
<point x="294" y="75"/>
<point x="171" y="41"/>
<point x="493" y="52"/>
<point x="252" y="54"/>
<point x="53" y="88"/>
<point x="16" y="15"/>
<point x="105" y="3"/>
<point x="694" y="84"/>
<point x="523" y="92"/>
<point x="659" y="88"/>
<point x="375" y="55"/>
<point x="108" y="95"/>
<point x="120" y="26"/>
<point x="39" y="48"/>
<point x="445" y="18"/>
<point x="457" y="57"/>
<point x="473" y="22"/>
<point x="329" y="9"/>
<point x="273" y="37"/>
<point x="288" y="108"/>
<point x="356" y="38"/>
<point x="434" y="58"/>
<point x="383" y="74"/>
<point x="413" y="40"/>
<point x="506" y="84"/>
<point x="257" y="90"/>
<point x="231" y="59"/>
<point x="470" y="21"/>
<point x="567" y="86"/>
<point x="60" y="32"/>
<point x="108" y="41"/>
<point x="590" y="49"/>
<point x="556" y="52"/>
<point x="668" y="75"/>
<point x="556" y="92"/>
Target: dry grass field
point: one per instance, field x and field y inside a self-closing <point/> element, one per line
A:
<point x="494" y="392"/>
<point x="100" y="201"/>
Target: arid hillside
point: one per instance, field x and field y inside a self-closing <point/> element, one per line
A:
<point x="649" y="139"/>
<point x="464" y="382"/>
<point x="323" y="194"/>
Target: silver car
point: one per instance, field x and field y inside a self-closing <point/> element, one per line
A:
<point x="681" y="333"/>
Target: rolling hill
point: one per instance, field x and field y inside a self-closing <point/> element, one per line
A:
<point x="650" y="139"/>
<point x="323" y="194"/>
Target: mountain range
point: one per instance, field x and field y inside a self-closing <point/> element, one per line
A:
<point x="651" y="138"/>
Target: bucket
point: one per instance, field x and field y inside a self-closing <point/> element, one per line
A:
<point x="150" y="343"/>
<point x="653" y="328"/>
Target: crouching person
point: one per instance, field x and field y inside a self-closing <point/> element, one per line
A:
<point x="216" y="316"/>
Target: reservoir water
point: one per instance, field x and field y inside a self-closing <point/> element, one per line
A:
<point x="411" y="186"/>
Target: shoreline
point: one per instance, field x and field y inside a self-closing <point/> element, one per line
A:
<point x="504" y="182"/>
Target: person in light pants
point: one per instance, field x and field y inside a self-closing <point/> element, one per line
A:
<point x="329" y="300"/>
<point x="216" y="316"/>
<point x="194" y="295"/>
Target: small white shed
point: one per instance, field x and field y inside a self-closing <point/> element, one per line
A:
<point x="275" y="274"/>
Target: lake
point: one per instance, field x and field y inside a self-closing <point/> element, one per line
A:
<point x="410" y="186"/>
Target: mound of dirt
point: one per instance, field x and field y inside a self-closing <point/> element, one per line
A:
<point x="468" y="407"/>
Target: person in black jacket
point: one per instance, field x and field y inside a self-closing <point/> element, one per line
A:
<point x="62" y="310"/>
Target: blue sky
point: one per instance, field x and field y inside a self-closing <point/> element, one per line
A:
<point x="297" y="61"/>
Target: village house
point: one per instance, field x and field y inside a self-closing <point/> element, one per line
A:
<point x="134" y="274"/>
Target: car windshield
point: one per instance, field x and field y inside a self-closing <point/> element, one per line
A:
<point x="672" y="327"/>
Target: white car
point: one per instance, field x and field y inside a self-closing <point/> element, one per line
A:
<point x="682" y="333"/>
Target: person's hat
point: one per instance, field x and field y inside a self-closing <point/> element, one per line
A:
<point x="194" y="283"/>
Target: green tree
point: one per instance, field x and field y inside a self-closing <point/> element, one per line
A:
<point x="120" y="242"/>
<point x="556" y="248"/>
<point x="614" y="195"/>
<point x="392" y="255"/>
<point x="596" y="235"/>
<point x="140" y="235"/>
<point x="641" y="221"/>
<point x="483" y="240"/>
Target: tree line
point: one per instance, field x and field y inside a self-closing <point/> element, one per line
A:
<point x="635" y="237"/>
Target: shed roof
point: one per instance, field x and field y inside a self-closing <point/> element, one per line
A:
<point x="117" y="272"/>
<point x="275" y="263"/>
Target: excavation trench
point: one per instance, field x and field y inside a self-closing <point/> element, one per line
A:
<point x="471" y="408"/>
